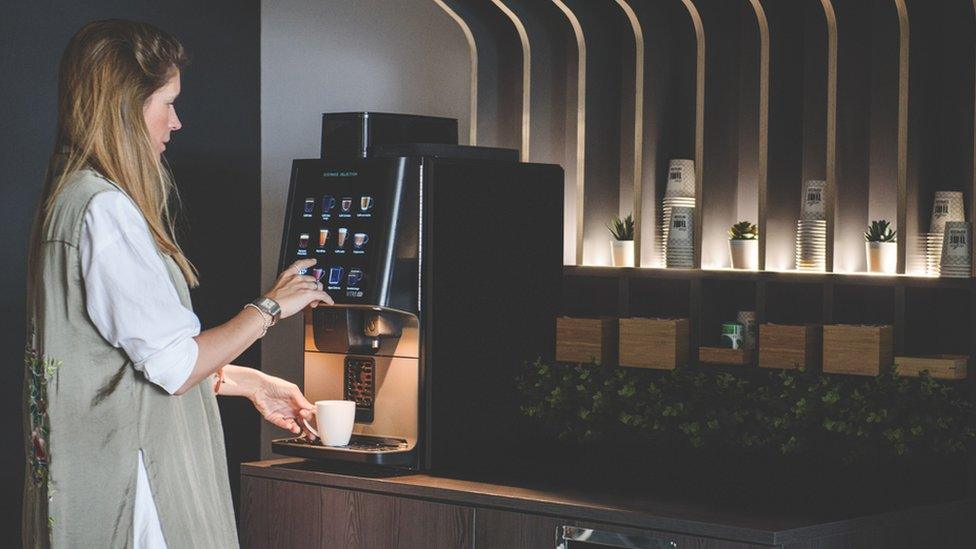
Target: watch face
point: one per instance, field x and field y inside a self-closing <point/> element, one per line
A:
<point x="269" y="306"/>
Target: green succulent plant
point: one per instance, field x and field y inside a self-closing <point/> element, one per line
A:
<point x="622" y="229"/>
<point x="880" y="231"/>
<point x="743" y="230"/>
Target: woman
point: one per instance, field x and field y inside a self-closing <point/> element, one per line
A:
<point x="124" y="445"/>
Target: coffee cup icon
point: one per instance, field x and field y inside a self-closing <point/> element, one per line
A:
<point x="359" y="240"/>
<point x="317" y="273"/>
<point x="355" y="277"/>
<point x="309" y="205"/>
<point x="328" y="202"/>
<point x="303" y="241"/>
<point x="346" y="204"/>
<point x="341" y="241"/>
<point x="323" y="237"/>
<point x="365" y="203"/>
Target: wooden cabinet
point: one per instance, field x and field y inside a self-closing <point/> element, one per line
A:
<point x="289" y="504"/>
<point x="294" y="515"/>
<point x="496" y="529"/>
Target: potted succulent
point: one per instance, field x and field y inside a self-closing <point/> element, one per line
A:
<point x="622" y="245"/>
<point x="881" y="247"/>
<point x="744" y="245"/>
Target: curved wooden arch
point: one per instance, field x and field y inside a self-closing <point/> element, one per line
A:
<point x="696" y="21"/>
<point x="830" y="174"/>
<point x="526" y="76"/>
<point x="473" y="54"/>
<point x="763" y="25"/>
<point x="638" y="124"/>
<point x="902" y="177"/>
<point x="580" y="122"/>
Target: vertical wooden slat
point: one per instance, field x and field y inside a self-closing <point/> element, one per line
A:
<point x="696" y="20"/>
<point x="526" y="77"/>
<point x="762" y="182"/>
<point x="638" y="125"/>
<point x="902" y="180"/>
<point x="473" y="53"/>
<point x="580" y="123"/>
<point x="831" y="148"/>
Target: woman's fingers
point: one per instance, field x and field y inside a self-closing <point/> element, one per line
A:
<point x="297" y="266"/>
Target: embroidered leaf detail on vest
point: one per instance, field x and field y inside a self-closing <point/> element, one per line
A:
<point x="39" y="371"/>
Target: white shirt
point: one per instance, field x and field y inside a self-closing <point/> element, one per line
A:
<point x="134" y="306"/>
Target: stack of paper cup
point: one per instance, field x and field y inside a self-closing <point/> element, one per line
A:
<point x="957" y="260"/>
<point x="811" y="228"/>
<point x="680" y="191"/>
<point x="947" y="207"/>
<point x="930" y="253"/>
<point x="681" y="241"/>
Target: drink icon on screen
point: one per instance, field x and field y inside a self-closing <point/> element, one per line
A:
<point x="342" y="237"/>
<point x="303" y="241"/>
<point x="309" y="206"/>
<point x="302" y="271"/>
<point x="355" y="277"/>
<point x="335" y="276"/>
<point x="328" y="202"/>
<point x="323" y="237"/>
<point x="317" y="273"/>
<point x="346" y="203"/>
<point x="365" y="203"/>
<point x="359" y="240"/>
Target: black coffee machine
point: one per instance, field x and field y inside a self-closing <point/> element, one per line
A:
<point x="445" y="264"/>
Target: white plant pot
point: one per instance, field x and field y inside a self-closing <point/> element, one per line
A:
<point x="744" y="253"/>
<point x="882" y="257"/>
<point x="622" y="253"/>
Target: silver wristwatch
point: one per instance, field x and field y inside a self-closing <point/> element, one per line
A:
<point x="269" y="307"/>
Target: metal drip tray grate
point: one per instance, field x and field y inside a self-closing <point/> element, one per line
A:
<point x="357" y="443"/>
<point x="362" y="448"/>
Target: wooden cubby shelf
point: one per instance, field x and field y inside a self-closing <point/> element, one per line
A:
<point x="929" y="316"/>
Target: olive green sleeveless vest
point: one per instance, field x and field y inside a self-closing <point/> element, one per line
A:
<point x="88" y="412"/>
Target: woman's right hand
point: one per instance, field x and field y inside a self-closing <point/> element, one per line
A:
<point x="294" y="292"/>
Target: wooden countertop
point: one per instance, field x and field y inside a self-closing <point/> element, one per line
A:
<point x="634" y="510"/>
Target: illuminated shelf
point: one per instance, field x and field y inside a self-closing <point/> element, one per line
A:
<point x="797" y="277"/>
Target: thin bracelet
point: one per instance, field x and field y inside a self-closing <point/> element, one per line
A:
<point x="219" y="381"/>
<point x="268" y="319"/>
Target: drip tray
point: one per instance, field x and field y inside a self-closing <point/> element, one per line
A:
<point x="361" y="448"/>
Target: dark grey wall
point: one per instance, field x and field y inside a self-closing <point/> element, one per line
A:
<point x="215" y="157"/>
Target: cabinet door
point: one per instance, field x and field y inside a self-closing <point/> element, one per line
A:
<point x="280" y="514"/>
<point x="293" y="515"/>
<point x="364" y="520"/>
<point x="508" y="530"/>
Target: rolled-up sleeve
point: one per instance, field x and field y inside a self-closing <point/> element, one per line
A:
<point x="129" y="296"/>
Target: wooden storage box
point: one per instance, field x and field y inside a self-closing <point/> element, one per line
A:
<point x="938" y="366"/>
<point x="659" y="343"/>
<point x="858" y="350"/>
<point x="586" y="339"/>
<point x="790" y="347"/>
<point x="724" y="355"/>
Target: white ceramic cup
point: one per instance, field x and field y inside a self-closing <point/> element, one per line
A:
<point x="334" y="419"/>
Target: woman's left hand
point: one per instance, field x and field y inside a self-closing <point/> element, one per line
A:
<point x="282" y="404"/>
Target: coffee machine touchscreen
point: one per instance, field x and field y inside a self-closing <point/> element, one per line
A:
<point x="334" y="219"/>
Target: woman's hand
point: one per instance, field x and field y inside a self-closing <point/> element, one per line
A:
<point x="294" y="292"/>
<point x="281" y="403"/>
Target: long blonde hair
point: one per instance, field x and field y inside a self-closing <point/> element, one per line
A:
<point x="107" y="73"/>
